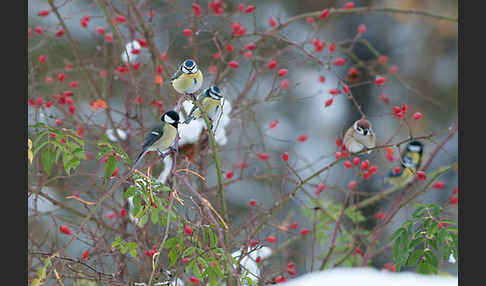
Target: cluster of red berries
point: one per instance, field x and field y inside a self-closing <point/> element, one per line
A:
<point x="151" y="252"/>
<point x="216" y="6"/>
<point x="399" y="112"/>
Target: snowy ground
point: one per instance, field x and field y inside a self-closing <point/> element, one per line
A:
<point x="370" y="277"/>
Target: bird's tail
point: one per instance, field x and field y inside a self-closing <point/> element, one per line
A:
<point x="140" y="157"/>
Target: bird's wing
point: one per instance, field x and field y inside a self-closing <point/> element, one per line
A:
<point x="153" y="136"/>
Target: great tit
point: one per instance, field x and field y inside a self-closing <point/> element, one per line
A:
<point x="359" y="136"/>
<point x="411" y="160"/>
<point x="188" y="79"/>
<point x="210" y="100"/>
<point x="161" y="137"/>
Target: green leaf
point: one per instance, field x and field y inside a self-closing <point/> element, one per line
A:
<point x="133" y="252"/>
<point x="72" y="164"/>
<point x="110" y="166"/>
<point x="172" y="257"/>
<point x="202" y="262"/>
<point x="196" y="271"/>
<point x="431" y="259"/>
<point x="213" y="239"/>
<point x="129" y="192"/>
<point x="47" y="160"/>
<point x="124" y="249"/>
<point x="189" y="251"/>
<point x="143" y="220"/>
<point x="414" y="258"/>
<point x="171" y="242"/>
<point x="37" y="148"/>
<point x="415" y="243"/>
<point x="397" y="233"/>
<point x="154" y="215"/>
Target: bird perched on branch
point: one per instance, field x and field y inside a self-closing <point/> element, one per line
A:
<point x="188" y="79"/>
<point x="410" y="162"/>
<point x="161" y="137"/>
<point x="210" y="101"/>
<point x="359" y="136"/>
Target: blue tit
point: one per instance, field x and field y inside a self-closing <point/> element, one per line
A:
<point x="161" y="137"/>
<point x="411" y="160"/>
<point x="210" y="100"/>
<point x="359" y="136"/>
<point x="188" y="79"/>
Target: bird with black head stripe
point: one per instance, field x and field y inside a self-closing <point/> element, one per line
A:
<point x="188" y="79"/>
<point x="411" y="161"/>
<point x="210" y="100"/>
<point x="161" y="137"/>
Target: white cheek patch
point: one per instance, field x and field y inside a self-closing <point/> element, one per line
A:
<point x="414" y="148"/>
<point x="168" y="119"/>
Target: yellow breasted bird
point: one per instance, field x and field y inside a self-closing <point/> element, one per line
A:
<point x="210" y="100"/>
<point x="161" y="137"/>
<point x="411" y="160"/>
<point x="188" y="79"/>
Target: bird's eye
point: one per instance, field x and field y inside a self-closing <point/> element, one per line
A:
<point x="216" y="89"/>
<point x="189" y="63"/>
